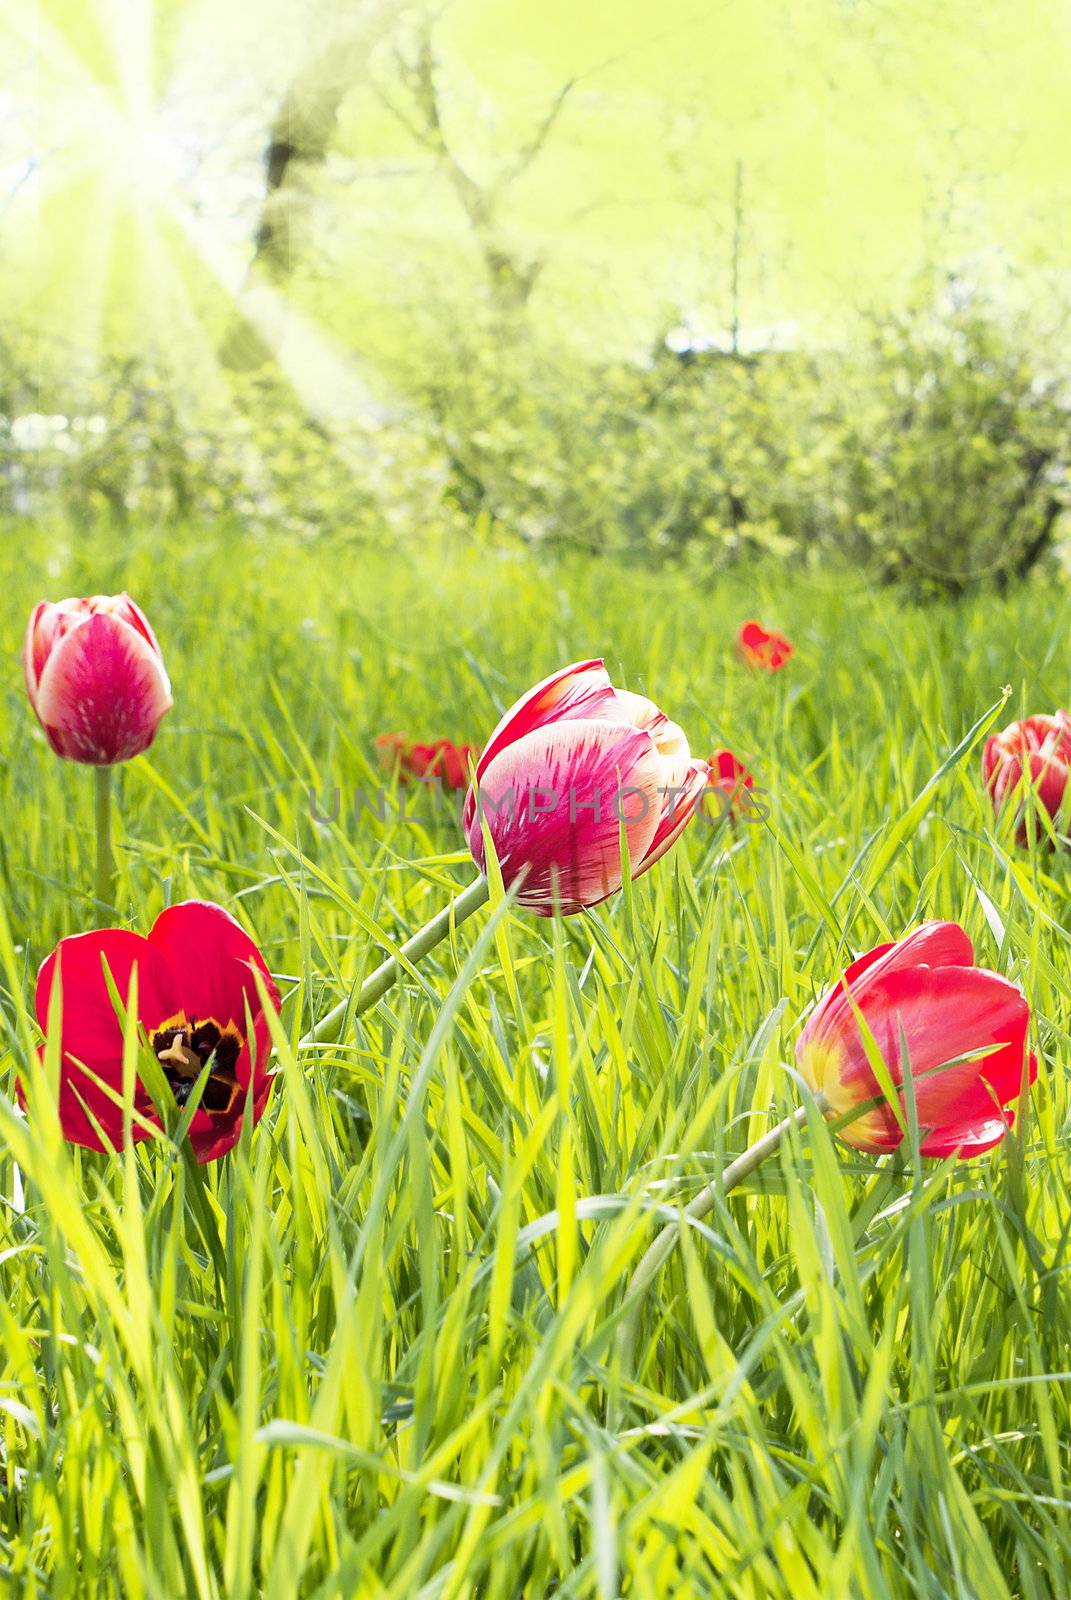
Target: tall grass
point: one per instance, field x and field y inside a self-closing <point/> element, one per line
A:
<point x="372" y="1352"/>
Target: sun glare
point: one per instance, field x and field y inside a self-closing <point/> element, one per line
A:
<point x="145" y="156"/>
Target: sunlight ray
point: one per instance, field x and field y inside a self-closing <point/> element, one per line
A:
<point x="129" y="24"/>
<point x="72" y="47"/>
<point x="326" y="379"/>
<point x="206" y="401"/>
<point x="67" y="288"/>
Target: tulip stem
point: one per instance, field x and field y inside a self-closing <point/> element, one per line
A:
<point x="105" y="886"/>
<point x="662" y="1247"/>
<point x="378" y="982"/>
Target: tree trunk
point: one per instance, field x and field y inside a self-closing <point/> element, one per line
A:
<point x="298" y="142"/>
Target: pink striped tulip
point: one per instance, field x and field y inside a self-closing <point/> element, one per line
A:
<point x="567" y="765"/>
<point x="964" y="1029"/>
<point x="95" y="677"/>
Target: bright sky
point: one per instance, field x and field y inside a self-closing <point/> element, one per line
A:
<point x="872" y="137"/>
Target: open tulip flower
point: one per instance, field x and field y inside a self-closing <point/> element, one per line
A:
<point x="762" y="648"/>
<point x="964" y="1029"/>
<point x="95" y="677"/>
<point x="567" y="765"/>
<point x="197" y="1005"/>
<point x="440" y="759"/>
<point x="1041" y="745"/>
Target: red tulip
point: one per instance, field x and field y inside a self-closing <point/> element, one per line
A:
<point x="566" y="765"/>
<point x="195" y="988"/>
<point x="95" y="678"/>
<point x="729" y="774"/>
<point x="440" y="759"/>
<point x="1044" y="745"/>
<point x="965" y="1032"/>
<point x="762" y="648"/>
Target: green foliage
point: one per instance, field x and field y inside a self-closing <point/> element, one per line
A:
<point x="933" y="453"/>
<point x="371" y="1353"/>
<point x="128" y="437"/>
<point x="952" y="453"/>
<point x="661" y="460"/>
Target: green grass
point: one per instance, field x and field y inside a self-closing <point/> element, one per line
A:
<point x="372" y="1352"/>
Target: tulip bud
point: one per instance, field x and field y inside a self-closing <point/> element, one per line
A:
<point x="95" y="677"/>
<point x="568" y="765"/>
<point x="964" y="1031"/>
<point x="1042" y="744"/>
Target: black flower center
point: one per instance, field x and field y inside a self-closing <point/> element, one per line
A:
<point x="183" y="1049"/>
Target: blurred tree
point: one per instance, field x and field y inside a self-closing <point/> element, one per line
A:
<point x="299" y="139"/>
<point x="511" y="272"/>
<point x="952" y="448"/>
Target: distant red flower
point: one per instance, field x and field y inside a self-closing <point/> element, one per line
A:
<point x="761" y="648"/>
<point x="195" y="988"/>
<point x="964" y="1029"/>
<point x="728" y="772"/>
<point x="1041" y="743"/>
<point x="440" y="759"/>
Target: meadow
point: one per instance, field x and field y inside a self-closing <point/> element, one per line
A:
<point x="372" y="1351"/>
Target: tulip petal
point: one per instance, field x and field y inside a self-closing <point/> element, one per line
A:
<point x="90" y="1032"/>
<point x="966" y="1141"/>
<point x="102" y="692"/>
<point x="48" y="624"/>
<point x="932" y="944"/>
<point x="991" y="755"/>
<point x="729" y="772"/>
<point x="639" y="712"/>
<point x="551" y="801"/>
<point x="1048" y="778"/>
<point x="127" y="611"/>
<point x="573" y="691"/>
<point x="214" y="956"/>
<point x="211" y="1136"/>
<point x="34" y="649"/>
<point x="678" y="811"/>
<point x="441" y="759"/>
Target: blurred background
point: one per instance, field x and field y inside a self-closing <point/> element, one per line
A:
<point x="661" y="282"/>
